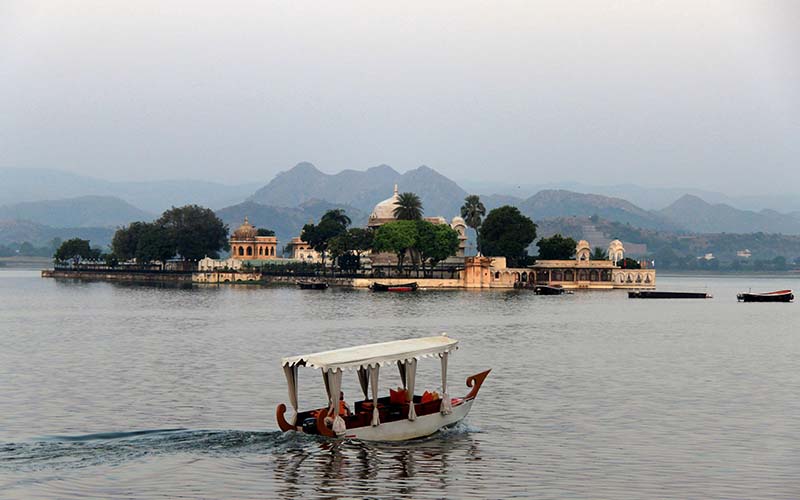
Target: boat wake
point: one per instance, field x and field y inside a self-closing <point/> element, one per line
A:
<point x="114" y="448"/>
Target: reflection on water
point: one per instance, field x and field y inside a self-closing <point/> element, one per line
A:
<point x="119" y="390"/>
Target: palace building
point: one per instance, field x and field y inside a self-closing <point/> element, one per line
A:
<point x="247" y="245"/>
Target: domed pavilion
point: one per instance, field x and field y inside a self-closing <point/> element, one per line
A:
<point x="246" y="244"/>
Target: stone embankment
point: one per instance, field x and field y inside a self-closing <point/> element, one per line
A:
<point x="130" y="276"/>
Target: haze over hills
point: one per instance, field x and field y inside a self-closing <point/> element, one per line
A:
<point x="84" y="211"/>
<point x="698" y="216"/>
<point x="39" y="184"/>
<point x="287" y="222"/>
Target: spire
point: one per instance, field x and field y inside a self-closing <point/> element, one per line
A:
<point x="395" y="189"/>
<point x="245" y="220"/>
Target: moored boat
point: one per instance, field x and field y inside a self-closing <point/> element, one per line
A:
<point x="403" y="287"/>
<point x="776" y="296"/>
<point x="652" y="294"/>
<point x="400" y="416"/>
<point x="312" y="285"/>
<point x="549" y="290"/>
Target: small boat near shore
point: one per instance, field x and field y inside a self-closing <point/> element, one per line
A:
<point x="403" y="287"/>
<point x="550" y="290"/>
<point x="401" y="415"/>
<point x="776" y="296"/>
<point x="653" y="294"/>
<point x="312" y="285"/>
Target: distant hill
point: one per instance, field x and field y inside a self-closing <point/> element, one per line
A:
<point x="42" y="235"/>
<point x="362" y="189"/>
<point x="562" y="203"/>
<point x="38" y="184"/>
<point x="287" y="222"/>
<point x="84" y="211"/>
<point x="698" y="216"/>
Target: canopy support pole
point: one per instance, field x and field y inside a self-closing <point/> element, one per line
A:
<point x="363" y="379"/>
<point x="290" y="371"/>
<point x="335" y="378"/>
<point x="411" y="373"/>
<point x="446" y="406"/>
<point x="401" y="367"/>
<point x="373" y="379"/>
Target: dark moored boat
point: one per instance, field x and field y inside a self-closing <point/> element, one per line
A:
<point x="652" y="294"/>
<point x="404" y="287"/>
<point x="777" y="296"/>
<point x="548" y="290"/>
<point x="312" y="285"/>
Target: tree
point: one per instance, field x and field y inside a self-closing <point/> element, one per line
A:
<point x="126" y="240"/>
<point x="472" y="211"/>
<point x="195" y="231"/>
<point x="599" y="254"/>
<point x="397" y="237"/>
<point x="76" y="248"/>
<point x="264" y="232"/>
<point x="318" y="236"/>
<point x="154" y="244"/>
<point x="409" y="207"/>
<point x="507" y="233"/>
<point x="361" y="239"/>
<point x="435" y="242"/>
<point x="556" y="248"/>
<point x="349" y="245"/>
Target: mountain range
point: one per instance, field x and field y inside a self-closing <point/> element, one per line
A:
<point x="42" y="202"/>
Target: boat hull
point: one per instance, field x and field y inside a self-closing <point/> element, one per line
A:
<point x="403" y="287"/>
<point x="644" y="294"/>
<point x="403" y="430"/>
<point x="782" y="296"/>
<point x="548" y="290"/>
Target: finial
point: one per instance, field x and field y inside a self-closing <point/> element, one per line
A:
<point x="395" y="189"/>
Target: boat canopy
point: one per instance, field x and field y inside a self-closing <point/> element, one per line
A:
<point x="372" y="355"/>
<point x="368" y="359"/>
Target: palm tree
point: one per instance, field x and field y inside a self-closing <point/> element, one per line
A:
<point x="408" y="207"/>
<point x="599" y="254"/>
<point x="337" y="215"/>
<point x="472" y="211"/>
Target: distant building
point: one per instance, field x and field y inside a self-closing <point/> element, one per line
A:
<point x="744" y="254"/>
<point x="247" y="245"/>
<point x="302" y="251"/>
<point x="707" y="257"/>
<point x="209" y="264"/>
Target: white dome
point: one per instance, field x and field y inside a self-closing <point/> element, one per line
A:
<point x="583" y="244"/>
<point x="385" y="209"/>
<point x="457" y="221"/>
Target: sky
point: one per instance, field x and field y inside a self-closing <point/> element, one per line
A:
<point x="674" y="93"/>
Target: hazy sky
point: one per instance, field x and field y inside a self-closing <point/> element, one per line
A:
<point x="658" y="93"/>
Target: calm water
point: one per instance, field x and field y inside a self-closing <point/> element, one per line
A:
<point x="111" y="391"/>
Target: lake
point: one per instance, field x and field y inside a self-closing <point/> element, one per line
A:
<point x="129" y="391"/>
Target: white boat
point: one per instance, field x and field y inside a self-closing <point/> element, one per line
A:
<point x="378" y="418"/>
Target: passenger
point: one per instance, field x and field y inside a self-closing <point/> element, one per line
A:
<point x="344" y="409"/>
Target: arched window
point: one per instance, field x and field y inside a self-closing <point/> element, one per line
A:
<point x="524" y="277"/>
<point x="569" y="275"/>
<point x="583" y="275"/>
<point x="260" y="250"/>
<point x="249" y="250"/>
<point x="557" y="276"/>
<point x="241" y="250"/>
<point x="497" y="275"/>
<point x="272" y="251"/>
<point x="594" y="276"/>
